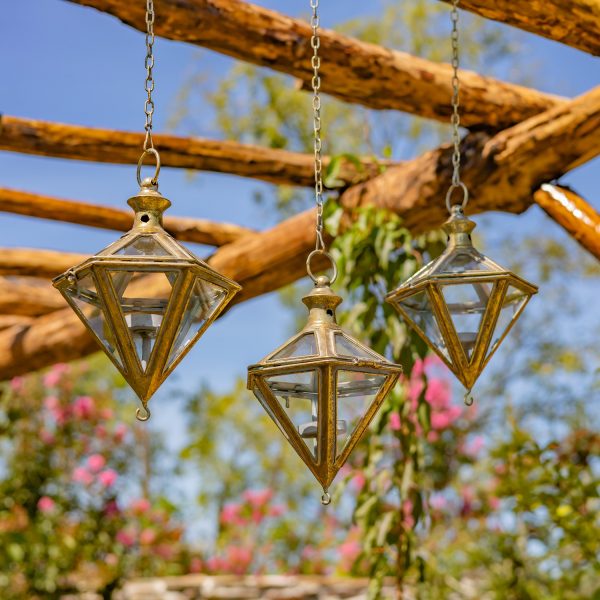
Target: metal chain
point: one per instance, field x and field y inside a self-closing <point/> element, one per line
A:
<point x="455" y="119"/>
<point x="149" y="104"/>
<point x="149" y="63"/>
<point x="315" y="43"/>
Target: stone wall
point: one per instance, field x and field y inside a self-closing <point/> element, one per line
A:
<point x="231" y="587"/>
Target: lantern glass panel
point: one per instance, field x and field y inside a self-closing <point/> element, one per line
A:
<point x="305" y="345"/>
<point x="419" y="310"/>
<point x="514" y="300"/>
<point x="205" y="298"/>
<point x="144" y="245"/>
<point x="356" y="391"/>
<point x="143" y="316"/>
<point x="346" y="347"/>
<point x="83" y="296"/>
<point x="467" y="303"/>
<point x="298" y="394"/>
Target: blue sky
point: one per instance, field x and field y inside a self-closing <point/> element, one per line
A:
<point x="63" y="62"/>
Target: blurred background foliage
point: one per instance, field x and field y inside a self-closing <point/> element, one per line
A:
<point x="500" y="500"/>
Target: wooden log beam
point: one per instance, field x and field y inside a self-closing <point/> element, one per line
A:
<point x="572" y="213"/>
<point x="575" y="23"/>
<point x="200" y="231"/>
<point x="502" y="171"/>
<point x="354" y="71"/>
<point x="37" y="263"/>
<point x="8" y="321"/>
<point x="59" y="140"/>
<point x="28" y="299"/>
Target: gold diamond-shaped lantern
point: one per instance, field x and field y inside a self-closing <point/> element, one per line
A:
<point x="322" y="387"/>
<point x="145" y="298"/>
<point x="462" y="304"/>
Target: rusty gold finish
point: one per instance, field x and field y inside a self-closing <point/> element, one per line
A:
<point x="462" y="304"/>
<point x="311" y="385"/>
<point x="145" y="298"/>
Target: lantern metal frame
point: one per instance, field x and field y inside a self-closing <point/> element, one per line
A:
<point x="149" y="206"/>
<point x="433" y="277"/>
<point x="327" y="362"/>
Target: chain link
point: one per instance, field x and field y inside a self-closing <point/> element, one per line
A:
<point x="315" y="42"/>
<point x="149" y="64"/>
<point x="455" y="119"/>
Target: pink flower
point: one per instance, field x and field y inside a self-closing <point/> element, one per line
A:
<point x="213" y="564"/>
<point x="47" y="436"/>
<point x="106" y="413"/>
<point x="51" y="403"/>
<point x="358" y="481"/>
<point x="120" y="432"/>
<point x="438" y="393"/>
<point x="395" y="421"/>
<point x="52" y="378"/>
<point x="112" y="508"/>
<point x="83" y="407"/>
<point x="475" y="446"/>
<point x="196" y="565"/>
<point x="349" y="552"/>
<point x="112" y="560"/>
<point x="82" y="475"/>
<point x="45" y="504"/>
<point x="407" y="512"/>
<point x="258" y="498"/>
<point x="108" y="477"/>
<point x="96" y="462"/>
<point x="140" y="506"/>
<point x="239" y="559"/>
<point x="126" y="537"/>
<point x="164" y="551"/>
<point x="277" y="510"/>
<point x="494" y="502"/>
<point x="415" y="389"/>
<point x="440" y="420"/>
<point x="147" y="537"/>
<point x="231" y="514"/>
<point x="17" y="384"/>
<point x="438" y="502"/>
<point x="418" y="369"/>
<point x="100" y="432"/>
<point x="433" y="436"/>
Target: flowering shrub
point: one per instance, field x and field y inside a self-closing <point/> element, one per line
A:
<point x="68" y="467"/>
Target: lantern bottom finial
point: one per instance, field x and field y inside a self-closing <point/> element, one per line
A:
<point x="325" y="498"/>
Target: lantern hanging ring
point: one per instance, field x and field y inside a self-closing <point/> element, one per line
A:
<point x="320" y="252"/>
<point x="154" y="152"/>
<point x="465" y="199"/>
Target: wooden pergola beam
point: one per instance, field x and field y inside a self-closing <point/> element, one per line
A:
<point x="26" y="299"/>
<point x="502" y="172"/>
<point x="575" y="23"/>
<point x="355" y="71"/>
<point x="572" y="213"/>
<point x="60" y="140"/>
<point x="200" y="231"/>
<point x="27" y="262"/>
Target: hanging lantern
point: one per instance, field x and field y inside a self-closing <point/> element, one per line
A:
<point x="462" y="304"/>
<point x="145" y="298"/>
<point x="322" y="387"/>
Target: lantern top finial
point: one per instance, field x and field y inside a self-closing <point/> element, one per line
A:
<point x="149" y="205"/>
<point x="322" y="301"/>
<point x="459" y="228"/>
